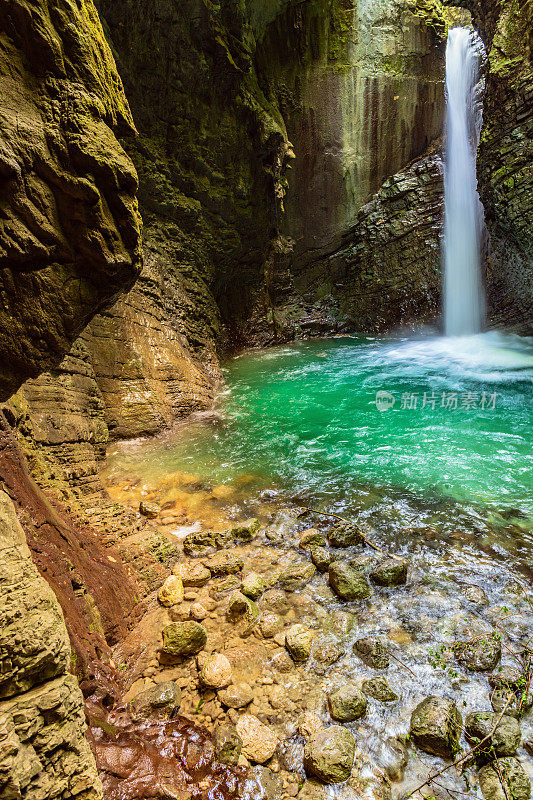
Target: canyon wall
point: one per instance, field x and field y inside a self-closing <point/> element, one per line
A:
<point x="505" y="163"/>
<point x="69" y="233"/>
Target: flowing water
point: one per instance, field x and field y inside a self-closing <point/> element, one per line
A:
<point x="463" y="304"/>
<point x="453" y="450"/>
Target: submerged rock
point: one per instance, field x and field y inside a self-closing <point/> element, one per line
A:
<point x="344" y="534"/>
<point x="298" y="641"/>
<point x="321" y="557"/>
<point x="308" y="724"/>
<point x="296" y="576"/>
<point x="259" y="742"/>
<point x="253" y="585"/>
<point x="150" y="510"/>
<point x="242" y="611"/>
<point x="478" y="656"/>
<point x="436" y="726"/>
<point x="342" y="622"/>
<point x="390" y="572"/>
<point x="347" y="703"/>
<point x="373" y="652"/>
<point x="516" y="783"/>
<point x="171" y="593"/>
<point x="228" y="745"/>
<point x="348" y="583"/>
<point x="192" y="574"/>
<point x="238" y="695"/>
<point x="199" y="544"/>
<point x="270" y="625"/>
<point x="378" y="688"/>
<point x="227" y="563"/>
<point x="157" y="702"/>
<point x="501" y="699"/>
<point x="262" y="784"/>
<point x="216" y="672"/>
<point x="506" y="677"/>
<point x="505" y="739"/>
<point x="245" y="531"/>
<point x="329" y="754"/>
<point x="181" y="639"/>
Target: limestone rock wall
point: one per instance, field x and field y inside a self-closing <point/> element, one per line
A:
<point x="505" y="157"/>
<point x="69" y="230"/>
<point x="43" y="750"/>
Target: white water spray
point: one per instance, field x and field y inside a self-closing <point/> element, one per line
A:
<point x="463" y="298"/>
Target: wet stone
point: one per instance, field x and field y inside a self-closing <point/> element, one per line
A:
<point x="321" y="557"/>
<point x="348" y="583"/>
<point x="149" y="510"/>
<point x="226" y="563"/>
<point x="275" y="600"/>
<point x="296" y="576"/>
<point x="243" y="611"/>
<point x="181" y="639"/>
<point x="344" y="534"/>
<point x="347" y="703"/>
<point x="238" y="695"/>
<point x="298" y="641"/>
<point x="216" y="672"/>
<point x="171" y="592"/>
<point x="329" y="754"/>
<point x="228" y="745"/>
<point x="270" y="625"/>
<point x="259" y="742"/>
<point x="192" y="574"/>
<point x="311" y="538"/>
<point x="342" y="622"/>
<point x="373" y="652"/>
<point x="389" y="572"/>
<point x="503" y="742"/>
<point x="394" y="758"/>
<point x="476" y="595"/>
<point x="506" y="677"/>
<point x="199" y="612"/>
<point x="309" y="723"/>
<point x="501" y="699"/>
<point x="327" y="652"/>
<point x="378" y="688"/>
<point x="222" y="586"/>
<point x="262" y="784"/>
<point x="245" y="531"/>
<point x="516" y="783"/>
<point x="199" y="544"/>
<point x="253" y="585"/>
<point x="436" y="727"/>
<point x="157" y="702"/>
<point x="478" y="656"/>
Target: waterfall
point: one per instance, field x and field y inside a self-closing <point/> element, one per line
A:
<point x="463" y="297"/>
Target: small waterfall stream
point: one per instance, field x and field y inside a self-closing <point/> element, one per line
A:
<point x="463" y="297"/>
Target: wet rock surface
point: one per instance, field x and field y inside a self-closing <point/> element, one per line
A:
<point x="348" y="583"/>
<point x="329" y="754"/>
<point x="436" y="726"/>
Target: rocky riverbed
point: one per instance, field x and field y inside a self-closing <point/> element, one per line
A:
<point x="284" y="656"/>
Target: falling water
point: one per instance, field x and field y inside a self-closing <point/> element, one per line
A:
<point x="463" y="299"/>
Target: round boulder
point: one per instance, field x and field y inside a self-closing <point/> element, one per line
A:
<point x="181" y="639"/>
<point x="259" y="742"/>
<point x="321" y="557"/>
<point x="329" y="754"/>
<point x="171" y="592"/>
<point x="373" y="652"/>
<point x="192" y="574"/>
<point x="216" y="672"/>
<point x="344" y="534"/>
<point x="298" y="641"/>
<point x="253" y="585"/>
<point x="504" y="739"/>
<point x="347" y="703"/>
<point x="239" y="695"/>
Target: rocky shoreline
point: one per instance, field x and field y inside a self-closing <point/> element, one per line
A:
<point x="306" y="658"/>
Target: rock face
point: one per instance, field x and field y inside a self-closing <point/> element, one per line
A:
<point x="329" y="754"/>
<point x="43" y="751"/>
<point x="505" y="173"/>
<point x="436" y="727"/>
<point x="69" y="241"/>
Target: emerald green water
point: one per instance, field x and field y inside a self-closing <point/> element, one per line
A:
<point x="302" y="419"/>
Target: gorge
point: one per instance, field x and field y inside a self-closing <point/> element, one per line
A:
<point x="255" y="508"/>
